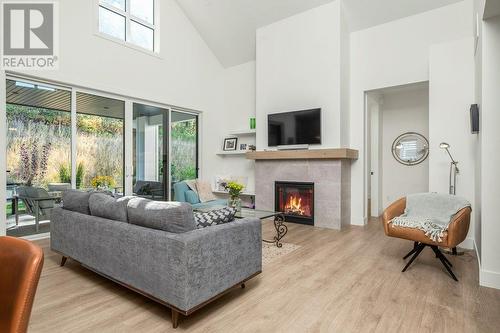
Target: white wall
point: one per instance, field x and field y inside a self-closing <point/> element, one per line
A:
<point x="239" y="106"/>
<point x="298" y="67"/>
<point x="478" y="27"/>
<point x="451" y="93"/>
<point x="403" y="111"/>
<point x="183" y="74"/>
<point x="490" y="180"/>
<point x="393" y="54"/>
<point x="375" y="162"/>
<point x="345" y="76"/>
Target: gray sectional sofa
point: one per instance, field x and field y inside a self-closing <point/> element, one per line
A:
<point x="155" y="249"/>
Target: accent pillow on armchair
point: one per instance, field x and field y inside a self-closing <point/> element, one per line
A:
<point x="191" y="183"/>
<point x="205" y="191"/>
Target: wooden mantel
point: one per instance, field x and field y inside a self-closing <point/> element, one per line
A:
<point x="332" y="154"/>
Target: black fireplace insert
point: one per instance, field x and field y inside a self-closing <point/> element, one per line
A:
<point x="295" y="200"/>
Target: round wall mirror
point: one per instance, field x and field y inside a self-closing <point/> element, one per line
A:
<point x="410" y="148"/>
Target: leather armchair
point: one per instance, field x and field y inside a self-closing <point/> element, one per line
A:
<point x="456" y="233"/>
<point x="20" y="266"/>
<point x="457" y="230"/>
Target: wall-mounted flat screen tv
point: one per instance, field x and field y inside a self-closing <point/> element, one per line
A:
<point x="294" y="128"/>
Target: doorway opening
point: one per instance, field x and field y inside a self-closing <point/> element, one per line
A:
<point x="391" y="114"/>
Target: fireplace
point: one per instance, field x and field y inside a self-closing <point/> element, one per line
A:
<point x="296" y="201"/>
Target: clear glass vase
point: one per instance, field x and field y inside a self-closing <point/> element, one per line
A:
<point x="235" y="203"/>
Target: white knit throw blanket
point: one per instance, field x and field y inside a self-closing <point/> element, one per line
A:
<point x="430" y="212"/>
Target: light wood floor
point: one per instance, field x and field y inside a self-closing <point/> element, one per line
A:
<point x="348" y="281"/>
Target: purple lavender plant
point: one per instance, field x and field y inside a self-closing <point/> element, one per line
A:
<point x="25" y="165"/>
<point x="34" y="160"/>
<point x="44" y="159"/>
<point x="34" y="163"/>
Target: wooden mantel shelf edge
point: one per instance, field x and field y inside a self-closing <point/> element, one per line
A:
<point x="311" y="154"/>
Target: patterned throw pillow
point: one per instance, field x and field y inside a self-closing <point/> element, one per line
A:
<point x="214" y="217"/>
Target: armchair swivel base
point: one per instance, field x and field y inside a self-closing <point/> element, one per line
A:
<point x="417" y="249"/>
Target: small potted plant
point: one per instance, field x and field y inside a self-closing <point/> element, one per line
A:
<point x="234" y="189"/>
<point x="102" y="182"/>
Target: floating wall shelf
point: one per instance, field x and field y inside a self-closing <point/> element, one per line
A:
<point x="242" y="132"/>
<point x="231" y="152"/>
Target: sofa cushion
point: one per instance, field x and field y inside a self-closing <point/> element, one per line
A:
<point x="175" y="217"/>
<point x="214" y="217"/>
<point x="76" y="201"/>
<point x="108" y="207"/>
<point x="192" y="197"/>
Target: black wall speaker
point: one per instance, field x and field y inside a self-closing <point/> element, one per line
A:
<point x="474" y="118"/>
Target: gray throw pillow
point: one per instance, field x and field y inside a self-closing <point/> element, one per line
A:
<point x="214" y="217"/>
<point x="76" y="201"/>
<point x="175" y="217"/>
<point x="108" y="207"/>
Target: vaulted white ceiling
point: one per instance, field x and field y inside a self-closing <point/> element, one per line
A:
<point x="228" y="26"/>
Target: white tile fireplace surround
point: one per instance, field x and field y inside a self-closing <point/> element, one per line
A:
<point x="328" y="169"/>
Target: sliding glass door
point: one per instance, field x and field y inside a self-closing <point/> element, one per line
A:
<point x="150" y="151"/>
<point x="41" y="136"/>
<point x="165" y="150"/>
<point x="183" y="147"/>
<point x="38" y="153"/>
<point x="100" y="142"/>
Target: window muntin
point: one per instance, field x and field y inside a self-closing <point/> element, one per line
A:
<point x="131" y="21"/>
<point x="119" y="4"/>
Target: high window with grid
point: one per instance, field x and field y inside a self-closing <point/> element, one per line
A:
<point x="132" y="21"/>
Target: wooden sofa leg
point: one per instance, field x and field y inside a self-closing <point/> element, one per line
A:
<point x="175" y="318"/>
<point x="63" y="260"/>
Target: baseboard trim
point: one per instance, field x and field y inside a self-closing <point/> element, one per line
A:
<point x="362" y="221"/>
<point x="489" y="279"/>
<point x="477" y="256"/>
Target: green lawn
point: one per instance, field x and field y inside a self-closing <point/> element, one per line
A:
<point x="21" y="206"/>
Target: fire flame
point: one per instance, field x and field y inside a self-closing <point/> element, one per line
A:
<point x="294" y="205"/>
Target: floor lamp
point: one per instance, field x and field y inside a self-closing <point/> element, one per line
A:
<point x="452" y="185"/>
<point x="453" y="169"/>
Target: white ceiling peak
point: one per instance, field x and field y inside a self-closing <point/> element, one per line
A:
<point x="228" y="26"/>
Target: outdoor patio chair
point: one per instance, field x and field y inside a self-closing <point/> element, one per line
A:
<point x="39" y="203"/>
<point x="148" y="189"/>
<point x="58" y="187"/>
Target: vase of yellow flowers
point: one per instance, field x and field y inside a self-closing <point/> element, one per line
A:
<point x="234" y="189"/>
<point x="102" y="182"/>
